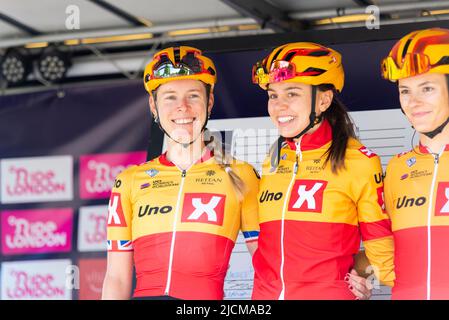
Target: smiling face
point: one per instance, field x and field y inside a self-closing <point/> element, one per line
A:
<point x="289" y="106"/>
<point x="181" y="106"/>
<point x="424" y="99"/>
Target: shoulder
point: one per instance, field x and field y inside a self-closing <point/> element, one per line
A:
<point x="152" y="167"/>
<point x="403" y="159"/>
<point x="357" y="153"/>
<point x="244" y="169"/>
<point x="127" y="173"/>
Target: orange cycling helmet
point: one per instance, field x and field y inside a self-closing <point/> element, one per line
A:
<point x="418" y="52"/>
<point x="305" y="62"/>
<point x="178" y="63"/>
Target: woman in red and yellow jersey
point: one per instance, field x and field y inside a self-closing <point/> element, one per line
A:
<point x="177" y="217"/>
<point x="417" y="182"/>
<point x="321" y="189"/>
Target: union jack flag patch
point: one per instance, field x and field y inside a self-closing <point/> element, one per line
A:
<point x="120" y="245"/>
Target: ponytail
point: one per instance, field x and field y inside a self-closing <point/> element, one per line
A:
<point x="224" y="159"/>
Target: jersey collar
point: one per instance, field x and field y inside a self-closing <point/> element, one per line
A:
<point x="206" y="156"/>
<point x="314" y="140"/>
<point x="423" y="149"/>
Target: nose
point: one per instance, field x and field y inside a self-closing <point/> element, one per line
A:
<point x="183" y="104"/>
<point x="280" y="104"/>
<point x="414" y="100"/>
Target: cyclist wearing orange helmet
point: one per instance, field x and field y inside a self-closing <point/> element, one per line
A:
<point x="320" y="190"/>
<point x="417" y="182"/>
<point x="176" y="217"/>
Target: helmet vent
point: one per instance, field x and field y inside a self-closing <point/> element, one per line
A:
<point x="319" y="53"/>
<point x="312" y="72"/>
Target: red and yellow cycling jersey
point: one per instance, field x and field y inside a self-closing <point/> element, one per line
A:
<point x="182" y="225"/>
<point x="311" y="221"/>
<point x="417" y="200"/>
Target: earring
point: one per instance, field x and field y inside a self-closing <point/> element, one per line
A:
<point x="156" y="120"/>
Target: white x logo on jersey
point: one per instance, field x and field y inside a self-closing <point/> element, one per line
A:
<point x="445" y="208"/>
<point x="115" y="214"/>
<point x="307" y="195"/>
<point x="208" y="208"/>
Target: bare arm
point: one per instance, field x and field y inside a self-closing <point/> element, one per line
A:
<point x="252" y="247"/>
<point x="117" y="283"/>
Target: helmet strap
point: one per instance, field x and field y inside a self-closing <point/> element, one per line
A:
<point x="313" y="118"/>
<point x="313" y="121"/>
<point x="438" y="130"/>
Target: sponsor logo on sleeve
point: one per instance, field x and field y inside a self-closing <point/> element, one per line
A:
<point x="381" y="198"/>
<point x="367" y="152"/>
<point x="116" y="218"/>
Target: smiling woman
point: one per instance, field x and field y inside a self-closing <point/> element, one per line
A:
<point x="329" y="193"/>
<point x="417" y="182"/>
<point x="177" y="216"/>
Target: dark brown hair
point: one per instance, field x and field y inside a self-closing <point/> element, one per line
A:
<point x="342" y="129"/>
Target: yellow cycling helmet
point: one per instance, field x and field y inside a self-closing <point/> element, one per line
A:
<point x="305" y="62"/>
<point x="178" y="63"/>
<point x="417" y="53"/>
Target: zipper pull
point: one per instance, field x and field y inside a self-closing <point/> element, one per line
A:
<point x="295" y="167"/>
<point x="183" y="174"/>
<point x="437" y="158"/>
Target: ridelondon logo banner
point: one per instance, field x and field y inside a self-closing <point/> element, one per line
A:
<point x="37" y="179"/>
<point x="36" y="231"/>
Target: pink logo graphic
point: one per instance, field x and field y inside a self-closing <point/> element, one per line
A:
<point x="36" y="179"/>
<point x="98" y="235"/>
<point x="92" y="224"/>
<point x="98" y="172"/>
<point x="36" y="231"/>
<point x="33" y="182"/>
<point x="38" y="286"/>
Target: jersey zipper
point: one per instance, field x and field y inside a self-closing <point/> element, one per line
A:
<point x="287" y="196"/>
<point x="429" y="216"/>
<point x="172" y="245"/>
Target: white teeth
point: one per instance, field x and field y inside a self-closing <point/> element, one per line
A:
<point x="285" y="119"/>
<point x="183" y="121"/>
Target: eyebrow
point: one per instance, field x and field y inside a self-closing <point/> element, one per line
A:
<point x="290" y="88"/>
<point x="286" y="89"/>
<point x="424" y="83"/>
<point x="419" y="85"/>
<point x="173" y="91"/>
<point x="168" y="91"/>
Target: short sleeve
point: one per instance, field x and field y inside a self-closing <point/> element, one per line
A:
<point x="119" y="232"/>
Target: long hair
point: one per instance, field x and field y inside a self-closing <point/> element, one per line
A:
<point x="342" y="129"/>
<point x="224" y="159"/>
